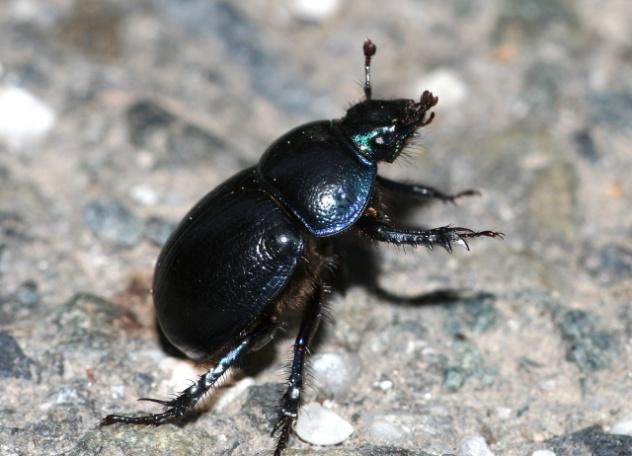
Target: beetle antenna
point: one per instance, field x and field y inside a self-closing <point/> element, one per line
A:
<point x="369" y="51"/>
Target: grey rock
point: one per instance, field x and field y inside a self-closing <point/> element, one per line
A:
<point x="612" y="109"/>
<point x="113" y="222"/>
<point x="474" y="446"/>
<point x="158" y="230"/>
<point x="123" y="440"/>
<point x="587" y="346"/>
<point x="610" y="263"/>
<point x="27" y="295"/>
<point x="467" y="363"/>
<point x="586" y="147"/>
<point x="13" y="362"/>
<point x="591" y="441"/>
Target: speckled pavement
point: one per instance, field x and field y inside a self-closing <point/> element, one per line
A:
<point x="116" y="117"/>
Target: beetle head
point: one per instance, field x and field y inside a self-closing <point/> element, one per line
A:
<point x="379" y="129"/>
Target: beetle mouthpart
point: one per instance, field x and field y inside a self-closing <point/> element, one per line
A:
<point x="426" y="101"/>
<point x="417" y="112"/>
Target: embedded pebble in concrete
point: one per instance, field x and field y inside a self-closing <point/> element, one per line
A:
<point x="113" y="222"/>
<point x="314" y="10"/>
<point x="474" y="446"/>
<point x="623" y="427"/>
<point x="158" y="230"/>
<point x="543" y="453"/>
<point x="24" y="119"/>
<point x="321" y="426"/>
<point x="334" y="373"/>
<point x="590" y="347"/>
<point x="383" y="429"/>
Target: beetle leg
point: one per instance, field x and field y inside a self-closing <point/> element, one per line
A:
<point x="443" y="236"/>
<point x="292" y="397"/>
<point x="423" y="190"/>
<point x="187" y="399"/>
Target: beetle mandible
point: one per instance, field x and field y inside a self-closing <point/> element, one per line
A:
<point x="261" y="241"/>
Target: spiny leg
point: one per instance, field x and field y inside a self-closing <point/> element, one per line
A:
<point x="443" y="236"/>
<point x="187" y="399"/>
<point x="292" y="397"/>
<point x="423" y="190"/>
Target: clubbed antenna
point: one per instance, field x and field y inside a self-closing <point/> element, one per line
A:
<point x="369" y="51"/>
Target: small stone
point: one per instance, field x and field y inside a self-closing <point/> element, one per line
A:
<point x="24" y="119"/>
<point x="145" y="195"/>
<point x="383" y="429"/>
<point x="27" y="294"/>
<point x="623" y="427"/>
<point x="158" y="230"/>
<point x="320" y="426"/>
<point x="474" y="446"/>
<point x="13" y="362"/>
<point x="588" y="347"/>
<point x="543" y="453"/>
<point x="588" y="440"/>
<point x="503" y="413"/>
<point x="314" y="10"/>
<point x="447" y="83"/>
<point x="611" y="263"/>
<point x="234" y="392"/>
<point x="112" y="222"/>
<point x="335" y="372"/>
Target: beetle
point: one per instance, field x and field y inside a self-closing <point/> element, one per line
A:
<point x="261" y="242"/>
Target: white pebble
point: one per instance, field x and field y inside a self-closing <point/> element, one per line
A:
<point x="334" y="373"/>
<point x="320" y="426"/>
<point x="314" y="10"/>
<point x="383" y="429"/>
<point x="145" y="195"/>
<point x="230" y="394"/>
<point x="543" y="453"/>
<point x="503" y="413"/>
<point x="446" y="84"/>
<point x="623" y="427"/>
<point x="24" y="119"/>
<point x="474" y="446"/>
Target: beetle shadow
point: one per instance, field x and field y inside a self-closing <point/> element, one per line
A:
<point x="359" y="261"/>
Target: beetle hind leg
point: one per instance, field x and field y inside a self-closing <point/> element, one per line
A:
<point x="291" y="400"/>
<point x="187" y="398"/>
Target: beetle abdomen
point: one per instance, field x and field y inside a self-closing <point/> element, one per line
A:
<point x="230" y="257"/>
<point x="319" y="178"/>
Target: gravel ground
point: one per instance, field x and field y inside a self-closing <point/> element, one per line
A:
<point x="116" y="117"/>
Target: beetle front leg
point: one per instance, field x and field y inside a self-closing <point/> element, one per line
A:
<point x="423" y="191"/>
<point x="292" y="398"/>
<point x="443" y="236"/>
<point x="187" y="399"/>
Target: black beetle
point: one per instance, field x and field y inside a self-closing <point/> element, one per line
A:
<point x="261" y="241"/>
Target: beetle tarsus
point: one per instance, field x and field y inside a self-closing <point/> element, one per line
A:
<point x="443" y="236"/>
<point x="424" y="191"/>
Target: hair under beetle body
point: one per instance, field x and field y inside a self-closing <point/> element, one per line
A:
<point x="260" y="242"/>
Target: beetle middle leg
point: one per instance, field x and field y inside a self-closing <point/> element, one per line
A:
<point x="443" y="236"/>
<point x="423" y="191"/>
<point x="187" y="399"/>
<point x="292" y="397"/>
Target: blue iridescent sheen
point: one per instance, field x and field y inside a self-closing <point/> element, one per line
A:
<point x="319" y="177"/>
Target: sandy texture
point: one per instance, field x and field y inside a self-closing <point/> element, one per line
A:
<point x="525" y="342"/>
